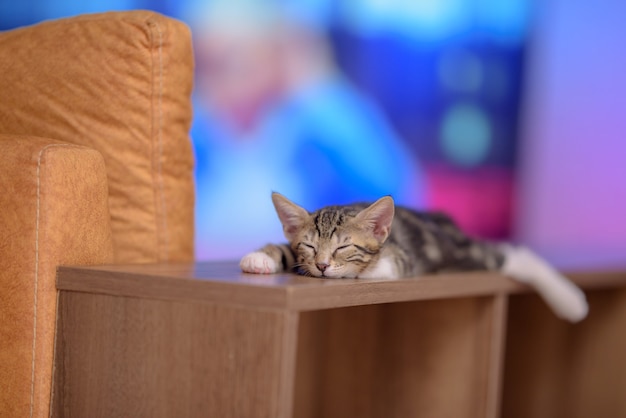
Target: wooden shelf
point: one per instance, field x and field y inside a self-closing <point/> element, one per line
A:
<point x="207" y="340"/>
<point x="224" y="283"/>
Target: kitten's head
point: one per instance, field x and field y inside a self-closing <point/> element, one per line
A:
<point x="336" y="241"/>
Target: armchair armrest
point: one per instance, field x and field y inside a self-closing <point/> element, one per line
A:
<point x="53" y="210"/>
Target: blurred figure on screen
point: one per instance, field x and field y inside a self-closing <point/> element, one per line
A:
<point x="273" y="113"/>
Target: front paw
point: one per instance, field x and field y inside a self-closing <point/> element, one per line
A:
<point x="258" y="263"/>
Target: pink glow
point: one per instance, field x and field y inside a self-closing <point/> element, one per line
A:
<point x="573" y="145"/>
<point x="479" y="201"/>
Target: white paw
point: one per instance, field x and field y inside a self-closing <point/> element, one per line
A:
<point x="259" y="263"/>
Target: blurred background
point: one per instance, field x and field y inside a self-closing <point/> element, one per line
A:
<point x="508" y="114"/>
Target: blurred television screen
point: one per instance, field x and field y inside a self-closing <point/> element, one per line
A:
<point x="330" y="103"/>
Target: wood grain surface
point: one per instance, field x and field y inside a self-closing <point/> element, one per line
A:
<point x="409" y="359"/>
<point x="130" y="357"/>
<point x="554" y="369"/>
<point x="205" y="340"/>
<point x="224" y="283"/>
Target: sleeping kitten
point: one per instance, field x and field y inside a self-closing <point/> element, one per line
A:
<point x="384" y="241"/>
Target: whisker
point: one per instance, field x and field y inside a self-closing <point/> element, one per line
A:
<point x="301" y="269"/>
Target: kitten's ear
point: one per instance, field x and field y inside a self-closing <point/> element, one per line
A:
<point x="291" y="215"/>
<point x="378" y="218"/>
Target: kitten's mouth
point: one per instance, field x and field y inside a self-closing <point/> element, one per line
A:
<point x="318" y="273"/>
<point x="332" y="275"/>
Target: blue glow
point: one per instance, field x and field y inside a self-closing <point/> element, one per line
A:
<point x="433" y="20"/>
<point x="422" y="19"/>
<point x="461" y="71"/>
<point x="466" y="135"/>
<point x="506" y="21"/>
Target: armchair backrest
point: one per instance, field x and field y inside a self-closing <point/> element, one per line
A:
<point x="119" y="83"/>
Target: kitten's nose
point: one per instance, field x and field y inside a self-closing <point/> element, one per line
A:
<point x="321" y="266"/>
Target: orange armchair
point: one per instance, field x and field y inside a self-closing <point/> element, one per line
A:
<point x="95" y="167"/>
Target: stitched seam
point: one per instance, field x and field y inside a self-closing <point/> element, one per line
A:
<point x="161" y="190"/>
<point x="54" y="355"/>
<point x="36" y="278"/>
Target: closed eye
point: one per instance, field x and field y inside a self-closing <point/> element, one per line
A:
<point x="343" y="247"/>
<point x="309" y="246"/>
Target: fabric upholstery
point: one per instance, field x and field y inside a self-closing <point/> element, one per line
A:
<point x="95" y="168"/>
<point x="54" y="211"/>
<point x="119" y="83"/>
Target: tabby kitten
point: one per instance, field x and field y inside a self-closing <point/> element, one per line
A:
<point x="384" y="241"/>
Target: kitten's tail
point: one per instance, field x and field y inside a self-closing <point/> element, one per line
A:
<point x="564" y="297"/>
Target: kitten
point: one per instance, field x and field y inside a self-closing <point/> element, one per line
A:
<point x="384" y="241"/>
